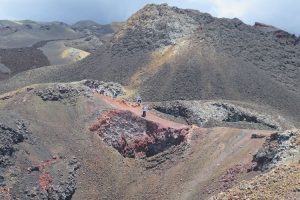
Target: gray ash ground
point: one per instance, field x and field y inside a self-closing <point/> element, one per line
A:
<point x="22" y="59"/>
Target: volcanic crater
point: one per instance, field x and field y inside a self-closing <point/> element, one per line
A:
<point x="134" y="136"/>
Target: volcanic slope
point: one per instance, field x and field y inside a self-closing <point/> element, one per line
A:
<point x="167" y="53"/>
<point x="66" y="141"/>
<point x="26" y="45"/>
<point x="17" y="34"/>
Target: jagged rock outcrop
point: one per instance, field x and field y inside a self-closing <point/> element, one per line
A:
<point x="59" y="92"/>
<point x="13" y="131"/>
<point x="108" y="88"/>
<point x="277" y="149"/>
<point x="157" y="26"/>
<point x="54" y="178"/>
<point x="65" y="91"/>
<point x="9" y="137"/>
<point x="218" y="113"/>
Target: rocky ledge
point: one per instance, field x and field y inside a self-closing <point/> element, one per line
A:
<point x="277" y="149"/>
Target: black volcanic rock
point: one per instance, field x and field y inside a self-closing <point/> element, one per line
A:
<point x="157" y="26"/>
<point x="276" y="149"/>
<point x="9" y="137"/>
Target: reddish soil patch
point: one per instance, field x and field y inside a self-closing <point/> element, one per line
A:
<point x="5" y="193"/>
<point x="137" y="110"/>
<point x="44" y="178"/>
<point x="47" y="163"/>
<point x="45" y="181"/>
<point x="134" y="136"/>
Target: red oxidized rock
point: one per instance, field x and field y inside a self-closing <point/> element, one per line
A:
<point x="134" y="136"/>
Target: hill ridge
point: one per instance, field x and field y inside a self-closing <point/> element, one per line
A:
<point x="213" y="58"/>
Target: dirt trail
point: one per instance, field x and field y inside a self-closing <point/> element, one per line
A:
<point x="137" y="110"/>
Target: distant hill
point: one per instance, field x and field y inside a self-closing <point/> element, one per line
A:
<point x="15" y="34"/>
<point x="91" y="27"/>
<point x="38" y="44"/>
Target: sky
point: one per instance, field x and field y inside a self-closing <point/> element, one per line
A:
<point x="283" y="14"/>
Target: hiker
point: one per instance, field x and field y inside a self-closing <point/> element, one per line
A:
<point x="139" y="100"/>
<point x="145" y="109"/>
<point x="114" y="94"/>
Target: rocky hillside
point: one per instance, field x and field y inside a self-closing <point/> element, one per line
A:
<point x="282" y="181"/>
<point x="67" y="141"/>
<point x="167" y="53"/>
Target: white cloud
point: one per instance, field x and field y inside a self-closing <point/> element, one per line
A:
<point x="230" y="8"/>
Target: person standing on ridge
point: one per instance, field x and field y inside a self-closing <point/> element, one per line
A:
<point x="139" y="100"/>
<point x="145" y="109"/>
<point x="114" y="93"/>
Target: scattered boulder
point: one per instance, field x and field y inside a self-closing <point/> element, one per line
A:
<point x="157" y="26"/>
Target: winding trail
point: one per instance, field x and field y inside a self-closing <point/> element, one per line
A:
<point x="137" y="110"/>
